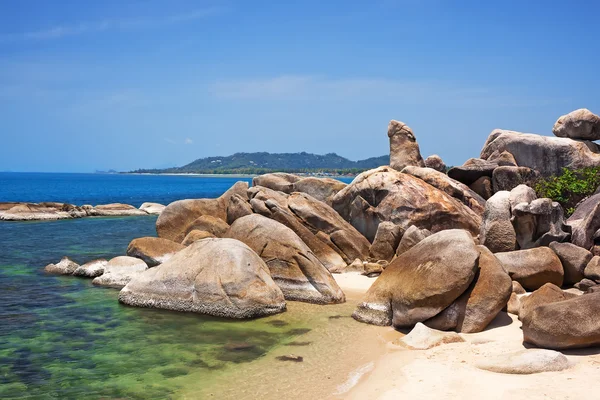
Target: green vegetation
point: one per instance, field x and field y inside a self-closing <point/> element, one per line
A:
<point x="262" y="163"/>
<point x="570" y="187"/>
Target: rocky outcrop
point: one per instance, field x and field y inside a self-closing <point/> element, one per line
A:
<point x="539" y="223"/>
<point x="483" y="187"/>
<point x="585" y="222"/>
<point x="66" y="266"/>
<point x="39" y="212"/>
<point x="580" y="124"/>
<point x="195" y="235"/>
<point x="448" y="185"/>
<point x="574" y="259"/>
<point x="176" y="219"/>
<point x="547" y="294"/>
<point x="565" y="324"/>
<point x="504" y="159"/>
<point x="210" y="224"/>
<point x="421" y="282"/>
<point x="152" y="208"/>
<point x="435" y="162"/>
<point x="386" y="241"/>
<point x="533" y="268"/>
<point x="384" y="194"/>
<point x="477" y="306"/>
<point x="404" y="149"/>
<point x="411" y="237"/>
<point x="508" y="178"/>
<point x="153" y="251"/>
<point x="238" y="207"/>
<point x="497" y="232"/>
<point x="91" y="269"/>
<point x="547" y="155"/>
<point x="322" y="189"/>
<point x="115" y="210"/>
<point x="119" y="271"/>
<point x="294" y="267"/>
<point x="220" y="277"/>
<point x="522" y="362"/>
<point x="521" y="194"/>
<point x="422" y="338"/>
<point x="472" y="170"/>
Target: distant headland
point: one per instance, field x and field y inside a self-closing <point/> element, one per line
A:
<point x="263" y="162"/>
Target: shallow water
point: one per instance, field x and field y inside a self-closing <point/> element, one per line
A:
<point x="61" y="337"/>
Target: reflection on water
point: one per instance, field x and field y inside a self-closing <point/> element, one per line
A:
<point x="61" y="337"/>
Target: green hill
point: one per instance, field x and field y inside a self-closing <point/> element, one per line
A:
<point x="260" y="163"/>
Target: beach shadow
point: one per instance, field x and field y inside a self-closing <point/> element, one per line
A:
<point x="502" y="319"/>
<point x="587" y="351"/>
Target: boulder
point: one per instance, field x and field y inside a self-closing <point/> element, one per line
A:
<point x="115" y="210"/>
<point x="175" y="221"/>
<point x="580" y="124"/>
<point x="539" y="223"/>
<point x="39" y="212"/>
<point x="547" y="155"/>
<point x="422" y="281"/>
<point x="411" y="237"/>
<point x="533" y="268"/>
<point x="592" y="270"/>
<point x="294" y="267"/>
<point x="517" y="288"/>
<point x="574" y="259"/>
<point x="528" y="361"/>
<point x="318" y="216"/>
<point x="503" y="159"/>
<point x="422" y="338"/>
<point x="547" y="294"/>
<point x="119" y="271"/>
<point x="448" y="185"/>
<point x="91" y="269"/>
<point x="152" y="250"/>
<point x="220" y="277"/>
<point x="194" y="235"/>
<point x="208" y="223"/>
<point x="259" y="196"/>
<point x="66" y="266"/>
<point x="373" y="269"/>
<point x="435" y="162"/>
<point x="238" y="207"/>
<point x="384" y="194"/>
<point x="404" y="149"/>
<point x="585" y="284"/>
<point x="481" y="302"/>
<point x="521" y="194"/>
<point x="472" y="170"/>
<point x="386" y="241"/>
<point x="508" y="178"/>
<point x="585" y="222"/>
<point x="483" y="187"/>
<point x="497" y="232"/>
<point x="278" y="181"/>
<point x="565" y="324"/>
<point x="322" y="189"/>
<point x="152" y="208"/>
<point x="514" y="304"/>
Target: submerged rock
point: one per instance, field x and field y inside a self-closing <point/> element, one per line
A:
<point x="220" y="277"/>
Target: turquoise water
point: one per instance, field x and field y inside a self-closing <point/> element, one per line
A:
<point x="63" y="338"/>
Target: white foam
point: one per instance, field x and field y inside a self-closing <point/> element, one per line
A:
<point x="354" y="377"/>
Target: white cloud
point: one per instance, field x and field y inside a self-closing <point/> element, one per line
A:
<point x="61" y="31"/>
<point x="188" y="141"/>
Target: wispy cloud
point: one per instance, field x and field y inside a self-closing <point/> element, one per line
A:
<point x="119" y="24"/>
<point x="186" y="141"/>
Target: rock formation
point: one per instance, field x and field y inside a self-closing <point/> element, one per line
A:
<point x="580" y="124"/>
<point x="404" y="149"/>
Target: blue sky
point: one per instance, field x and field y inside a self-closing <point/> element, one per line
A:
<point x="129" y="84"/>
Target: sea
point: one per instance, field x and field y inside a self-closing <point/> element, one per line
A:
<point x="63" y="338"/>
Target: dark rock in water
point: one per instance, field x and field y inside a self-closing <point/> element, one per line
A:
<point x="239" y="346"/>
<point x="294" y="268"/>
<point x="220" y="277"/>
<point x="290" y="357"/>
<point x="298" y="331"/>
<point x="404" y="149"/>
<point x="298" y="343"/>
<point x="278" y="323"/>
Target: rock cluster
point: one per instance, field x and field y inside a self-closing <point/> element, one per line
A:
<point x="50" y="211"/>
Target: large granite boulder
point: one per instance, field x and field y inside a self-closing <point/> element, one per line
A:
<point x="220" y="277"/>
<point x="404" y="149"/>
<point x="119" y="271"/>
<point x="238" y="207"/>
<point x="194" y="235"/>
<point x="66" y="266"/>
<point x="508" y="178"/>
<point x="497" y="232"/>
<point x="322" y="189"/>
<point x="539" y="223"/>
<point x="386" y="241"/>
<point x="565" y="324"/>
<point x="472" y="170"/>
<point x="533" y="268"/>
<point x="574" y="259"/>
<point x="208" y="223"/>
<point x="152" y="250"/>
<point x="585" y="222"/>
<point x="383" y="194"/>
<point x="411" y="237"/>
<point x="175" y="220"/>
<point x="521" y="194"/>
<point x="592" y="270"/>
<point x="453" y="188"/>
<point x="547" y="155"/>
<point x="483" y="187"/>
<point x="422" y="281"/>
<point x="152" y="208"/>
<point x="260" y="195"/>
<point x="294" y="267"/>
<point x="549" y="293"/>
<point x="435" y="162"/>
<point x="481" y="302"/>
<point x="278" y="181"/>
<point x="579" y="124"/>
<point x="319" y="217"/>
